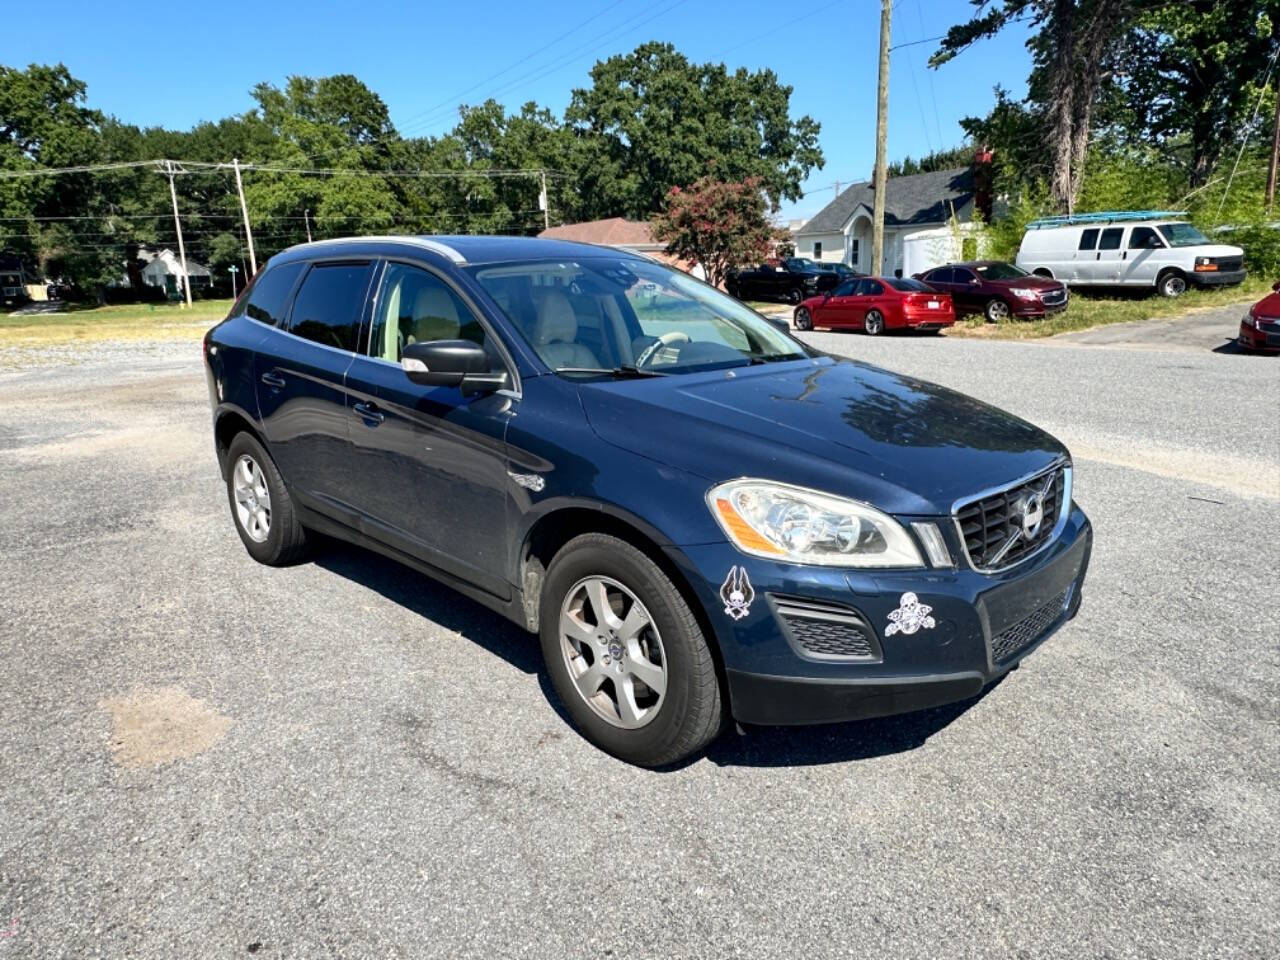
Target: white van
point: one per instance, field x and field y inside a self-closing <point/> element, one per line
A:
<point x="1147" y="248"/>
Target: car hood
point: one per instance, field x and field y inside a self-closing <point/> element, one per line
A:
<point x="1268" y="306"/>
<point x="848" y="428"/>
<point x="1214" y="250"/>
<point x="1032" y="282"/>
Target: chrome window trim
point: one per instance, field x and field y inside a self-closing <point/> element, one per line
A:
<point x="1063" y="514"/>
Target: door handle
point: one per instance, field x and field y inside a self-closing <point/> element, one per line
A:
<point x="273" y="379"/>
<point x="369" y="413"/>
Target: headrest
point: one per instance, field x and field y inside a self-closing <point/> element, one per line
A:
<point x="556" y="320"/>
<point x="435" y="316"/>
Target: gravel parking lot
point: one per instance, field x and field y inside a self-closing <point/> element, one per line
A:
<point x="205" y="757"/>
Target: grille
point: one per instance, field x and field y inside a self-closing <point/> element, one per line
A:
<point x="992" y="527"/>
<point x="1267" y="327"/>
<point x="1027" y="630"/>
<point x="1227" y="264"/>
<point x="1054" y="298"/>
<point x="827" y="630"/>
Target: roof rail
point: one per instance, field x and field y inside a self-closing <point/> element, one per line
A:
<point x="1105" y="216"/>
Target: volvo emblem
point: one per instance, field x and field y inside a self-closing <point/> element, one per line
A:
<point x="1032" y="515"/>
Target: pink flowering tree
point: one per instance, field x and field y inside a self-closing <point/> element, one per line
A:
<point x="717" y="224"/>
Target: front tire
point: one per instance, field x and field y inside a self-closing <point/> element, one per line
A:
<point x="794" y="296"/>
<point x="1172" y="284"/>
<point x="874" y="323"/>
<point x="626" y="654"/>
<point x="261" y="507"/>
<point x="803" y="320"/>
<point x="997" y="311"/>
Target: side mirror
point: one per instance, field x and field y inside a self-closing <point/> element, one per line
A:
<point x="974" y="281"/>
<point x="451" y="363"/>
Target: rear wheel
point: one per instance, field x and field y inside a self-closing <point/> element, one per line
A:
<point x="261" y="506"/>
<point x="874" y="323"/>
<point x="997" y="311"/>
<point x="803" y="320"/>
<point x="626" y="654"/>
<point x="1171" y="284"/>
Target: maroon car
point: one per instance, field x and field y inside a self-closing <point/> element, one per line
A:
<point x="998" y="289"/>
<point x="1260" y="328"/>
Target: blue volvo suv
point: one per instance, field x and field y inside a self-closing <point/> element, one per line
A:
<point x="701" y="517"/>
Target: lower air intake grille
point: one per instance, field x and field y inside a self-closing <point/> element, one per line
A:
<point x="826" y="630"/>
<point x="1027" y="630"/>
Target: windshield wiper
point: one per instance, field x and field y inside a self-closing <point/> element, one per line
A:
<point x="775" y="358"/>
<point x="623" y="371"/>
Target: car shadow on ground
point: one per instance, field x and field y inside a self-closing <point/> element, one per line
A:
<point x="1233" y="348"/>
<point x="749" y="747"/>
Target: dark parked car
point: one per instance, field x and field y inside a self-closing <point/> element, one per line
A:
<point x="996" y="289"/>
<point x="1260" y="328"/>
<point x="876" y="304"/>
<point x="701" y="517"/>
<point x="781" y="281"/>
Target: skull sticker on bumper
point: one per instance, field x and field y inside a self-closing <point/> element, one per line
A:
<point x="911" y="615"/>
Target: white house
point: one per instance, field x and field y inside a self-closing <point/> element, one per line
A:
<point x="917" y="234"/>
<point x="164" y="270"/>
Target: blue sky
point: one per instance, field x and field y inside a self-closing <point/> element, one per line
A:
<point x="423" y="58"/>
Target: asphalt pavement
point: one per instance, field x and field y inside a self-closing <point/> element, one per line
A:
<point x="205" y="757"/>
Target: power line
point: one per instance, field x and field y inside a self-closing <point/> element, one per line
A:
<point x="161" y="166"/>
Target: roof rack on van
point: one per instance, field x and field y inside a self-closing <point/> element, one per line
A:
<point x="1105" y="216"/>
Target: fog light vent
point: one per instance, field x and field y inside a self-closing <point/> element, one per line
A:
<point x="828" y="631"/>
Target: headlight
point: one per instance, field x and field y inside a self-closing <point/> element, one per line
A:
<point x="1023" y="293"/>
<point x="783" y="522"/>
<point x="1250" y="320"/>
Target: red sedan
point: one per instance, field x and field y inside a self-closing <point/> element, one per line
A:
<point x="877" y="304"/>
<point x="1260" y="328"/>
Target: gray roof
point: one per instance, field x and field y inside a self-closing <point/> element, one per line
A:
<point x="918" y="199"/>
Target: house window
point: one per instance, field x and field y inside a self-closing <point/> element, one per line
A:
<point x="817" y="251"/>
<point x="854" y="259"/>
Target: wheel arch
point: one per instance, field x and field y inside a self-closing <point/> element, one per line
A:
<point x="1166" y="272"/>
<point x="556" y="527"/>
<point x="229" y="422"/>
<point x="1043" y="272"/>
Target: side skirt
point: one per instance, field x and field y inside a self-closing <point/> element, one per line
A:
<point x="513" y="609"/>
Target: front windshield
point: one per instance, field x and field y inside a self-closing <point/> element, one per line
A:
<point x="1000" y="271"/>
<point x="609" y="314"/>
<point x="1182" y="235"/>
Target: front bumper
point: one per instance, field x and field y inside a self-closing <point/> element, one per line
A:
<point x="1262" y="340"/>
<point x="772" y="680"/>
<point x="1215" y="278"/>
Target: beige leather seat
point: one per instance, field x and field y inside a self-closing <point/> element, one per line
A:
<point x="435" y="317"/>
<point x="556" y="331"/>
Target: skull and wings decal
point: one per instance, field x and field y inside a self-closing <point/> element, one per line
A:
<point x="910" y="616"/>
<point x="737" y="593"/>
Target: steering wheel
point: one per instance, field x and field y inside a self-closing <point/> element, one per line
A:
<point x="666" y="340"/>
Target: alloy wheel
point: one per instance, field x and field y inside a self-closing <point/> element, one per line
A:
<point x="613" y="651"/>
<point x="874" y="323"/>
<point x="803" y="320"/>
<point x="997" y="310"/>
<point x="253" y="499"/>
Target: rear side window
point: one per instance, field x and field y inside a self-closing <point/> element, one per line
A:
<point x="329" y="304"/>
<point x="869" y="288"/>
<point x="1089" y="238"/>
<point x="1143" y="238"/>
<point x="1111" y="238"/>
<point x="270" y="293"/>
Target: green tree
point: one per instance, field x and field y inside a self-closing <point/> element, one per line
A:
<point x="716" y="224"/>
<point x="1193" y="74"/>
<point x="652" y="120"/>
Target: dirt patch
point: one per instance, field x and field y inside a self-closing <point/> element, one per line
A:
<point x="154" y="726"/>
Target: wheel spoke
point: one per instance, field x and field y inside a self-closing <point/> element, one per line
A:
<point x="649" y="672"/>
<point x="590" y="679"/>
<point x="636" y="620"/>
<point x="599" y="596"/>
<point x="576" y="630"/>
<point x="627" y="708"/>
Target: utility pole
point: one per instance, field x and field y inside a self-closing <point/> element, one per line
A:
<point x="542" y="201"/>
<point x="306" y="218"/>
<point x="244" y="209"/>
<point x="170" y="170"/>
<point x="882" y="137"/>
<point x="1275" y="158"/>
